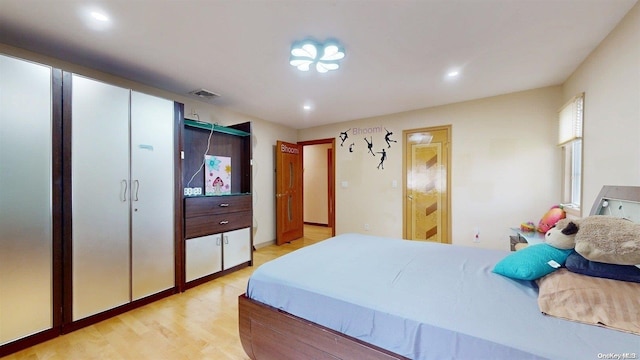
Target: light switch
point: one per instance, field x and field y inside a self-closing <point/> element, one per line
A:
<point x="345" y="184"/>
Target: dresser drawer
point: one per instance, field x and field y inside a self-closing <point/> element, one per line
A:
<point x="213" y="224"/>
<point x="211" y="205"/>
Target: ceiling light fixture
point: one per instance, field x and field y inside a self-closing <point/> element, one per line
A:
<point x="99" y="16"/>
<point x="307" y="107"/>
<point x="325" y="57"/>
<point x="453" y="73"/>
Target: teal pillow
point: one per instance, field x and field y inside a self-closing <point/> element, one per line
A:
<point x="532" y="262"/>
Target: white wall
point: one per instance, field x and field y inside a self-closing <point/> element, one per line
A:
<point x="505" y="166"/>
<point x="316" y="202"/>
<point x="610" y="79"/>
<point x="264" y="185"/>
<point x="264" y="135"/>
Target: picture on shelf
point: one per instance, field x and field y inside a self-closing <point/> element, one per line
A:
<point x="218" y="175"/>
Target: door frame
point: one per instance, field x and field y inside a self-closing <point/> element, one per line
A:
<point x="331" y="173"/>
<point x="447" y="148"/>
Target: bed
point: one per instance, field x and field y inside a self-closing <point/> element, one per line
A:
<point x="365" y="297"/>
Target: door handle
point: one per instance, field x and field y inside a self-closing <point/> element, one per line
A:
<point x="410" y="197"/>
<point x="137" y="184"/>
<point x="123" y="187"/>
<point x="226" y="239"/>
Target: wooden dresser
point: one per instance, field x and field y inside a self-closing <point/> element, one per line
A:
<point x="208" y="215"/>
<point x="218" y="235"/>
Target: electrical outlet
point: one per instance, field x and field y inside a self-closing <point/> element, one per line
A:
<point x="366" y="227"/>
<point x="192" y="191"/>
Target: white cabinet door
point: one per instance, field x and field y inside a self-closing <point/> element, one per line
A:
<point x="152" y="197"/>
<point x="25" y="199"/>
<point x="203" y="256"/>
<point x="237" y="247"/>
<point x="100" y="196"/>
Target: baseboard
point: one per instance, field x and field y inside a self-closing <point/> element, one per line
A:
<point x="264" y="244"/>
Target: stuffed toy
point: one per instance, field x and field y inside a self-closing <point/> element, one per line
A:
<point x="528" y="226"/>
<point x="608" y="239"/>
<point x="588" y="235"/>
<point x="555" y="214"/>
<point x="562" y="235"/>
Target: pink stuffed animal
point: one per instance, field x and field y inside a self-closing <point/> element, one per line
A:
<point x="549" y="219"/>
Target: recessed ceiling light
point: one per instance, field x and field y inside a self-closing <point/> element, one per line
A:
<point x="307" y="107"/>
<point x="453" y="73"/>
<point x="95" y="18"/>
<point x="99" y="16"/>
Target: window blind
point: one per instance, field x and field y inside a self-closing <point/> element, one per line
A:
<point x="571" y="120"/>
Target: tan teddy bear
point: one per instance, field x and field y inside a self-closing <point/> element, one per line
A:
<point x="608" y="239"/>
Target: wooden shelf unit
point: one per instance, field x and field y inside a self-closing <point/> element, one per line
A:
<point x="218" y="231"/>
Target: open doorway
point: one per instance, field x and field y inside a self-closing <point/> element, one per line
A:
<point x="318" y="187"/>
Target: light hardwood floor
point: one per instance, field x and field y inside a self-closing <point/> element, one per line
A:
<point x="201" y="323"/>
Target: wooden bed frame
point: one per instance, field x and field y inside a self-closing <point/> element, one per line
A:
<point x="268" y="333"/>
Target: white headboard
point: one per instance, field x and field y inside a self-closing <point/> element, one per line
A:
<point x="618" y="201"/>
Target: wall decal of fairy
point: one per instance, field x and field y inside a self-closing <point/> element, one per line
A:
<point x="382" y="158"/>
<point x="344" y="136"/>
<point x="351" y="147"/>
<point x="370" y="145"/>
<point x="388" y="139"/>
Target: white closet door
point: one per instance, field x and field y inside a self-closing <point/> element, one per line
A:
<point x="25" y="199"/>
<point x="236" y="247"/>
<point x="203" y="256"/>
<point x="100" y="196"/>
<point x="152" y="197"/>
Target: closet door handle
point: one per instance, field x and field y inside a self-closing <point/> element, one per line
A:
<point x="137" y="184"/>
<point x="217" y="240"/>
<point x="226" y="239"/>
<point x="123" y="187"/>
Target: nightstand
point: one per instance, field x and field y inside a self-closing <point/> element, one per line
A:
<point x="522" y="239"/>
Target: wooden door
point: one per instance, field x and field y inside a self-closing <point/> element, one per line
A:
<point x="427" y="198"/>
<point x="289" y="211"/>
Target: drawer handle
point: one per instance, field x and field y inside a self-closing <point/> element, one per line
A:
<point x="224" y="205"/>
<point x="224" y="222"/>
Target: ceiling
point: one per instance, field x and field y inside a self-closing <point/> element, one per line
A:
<point x="398" y="52"/>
